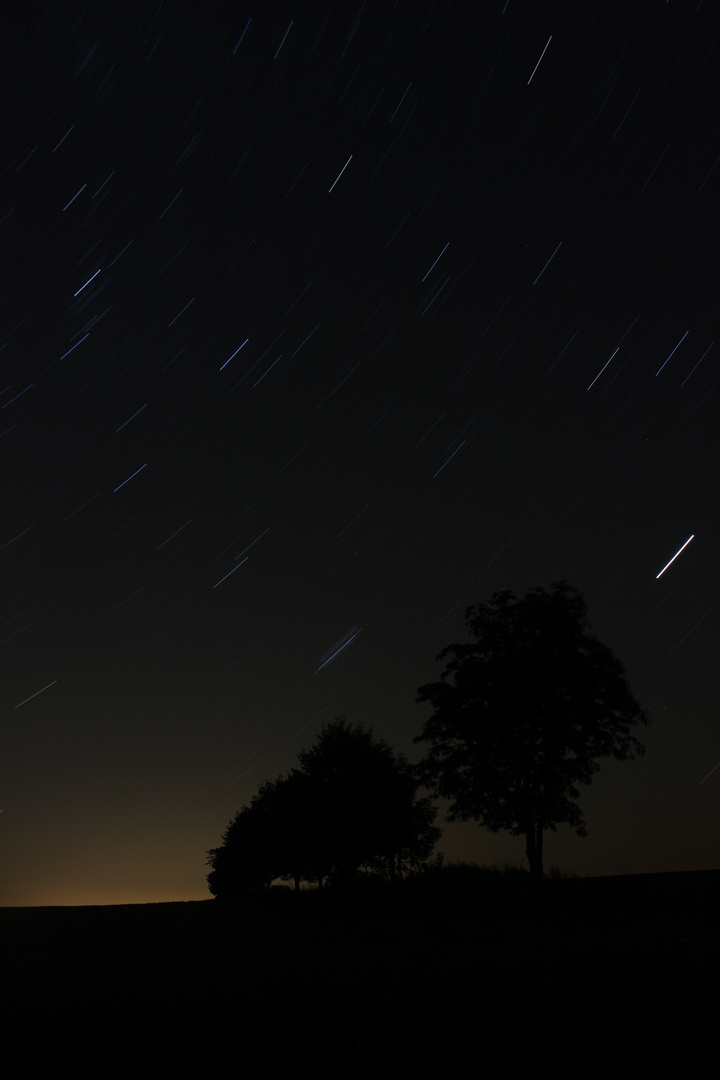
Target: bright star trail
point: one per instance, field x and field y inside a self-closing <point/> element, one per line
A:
<point x="671" y="561"/>
<point x="339" y="647"/>
<point x="317" y="327"/>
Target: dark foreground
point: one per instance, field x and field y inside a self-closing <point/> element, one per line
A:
<point x="593" y="978"/>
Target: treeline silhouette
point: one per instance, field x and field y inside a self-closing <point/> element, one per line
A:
<point x="522" y="715"/>
<point x="351" y="806"/>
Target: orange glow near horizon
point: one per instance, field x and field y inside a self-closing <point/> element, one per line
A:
<point x="90" y="898"/>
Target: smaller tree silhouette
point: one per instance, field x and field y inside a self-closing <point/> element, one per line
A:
<point x="271" y="838"/>
<point x="291" y="808"/>
<point x="370" y="814"/>
<point x="524" y="713"/>
<point x="242" y="863"/>
<point x="351" y="805"/>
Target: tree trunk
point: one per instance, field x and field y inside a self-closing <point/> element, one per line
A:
<point x="297" y="882"/>
<point x="534" y="850"/>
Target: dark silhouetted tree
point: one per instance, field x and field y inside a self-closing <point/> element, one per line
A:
<point x="242" y="863"/>
<point x="371" y="816"/>
<point x="351" y="805"/>
<point x="292" y="808"/>
<point x="271" y="838"/>
<point x="523" y="714"/>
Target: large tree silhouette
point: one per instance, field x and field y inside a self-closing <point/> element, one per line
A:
<point x="524" y="713"/>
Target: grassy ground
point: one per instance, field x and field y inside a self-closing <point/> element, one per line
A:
<point x="456" y="971"/>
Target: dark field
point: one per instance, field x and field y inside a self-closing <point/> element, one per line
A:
<point x="474" y="974"/>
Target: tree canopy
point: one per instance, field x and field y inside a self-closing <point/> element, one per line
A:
<point x="372" y="817"/>
<point x="523" y="714"/>
<point x="270" y="838"/>
<point x="351" y="805"/>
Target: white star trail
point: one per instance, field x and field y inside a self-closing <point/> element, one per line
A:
<point x="675" y="556"/>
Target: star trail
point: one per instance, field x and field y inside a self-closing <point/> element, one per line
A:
<point x="317" y="325"/>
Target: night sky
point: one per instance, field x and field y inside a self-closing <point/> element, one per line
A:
<point x="320" y="322"/>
